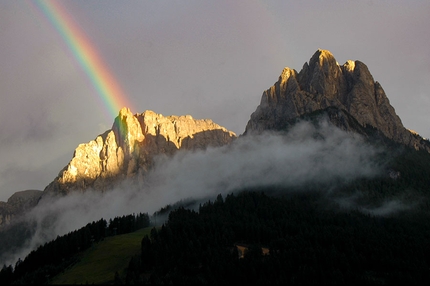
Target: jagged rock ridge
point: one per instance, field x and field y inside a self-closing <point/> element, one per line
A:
<point x="323" y="83"/>
<point x="128" y="149"/>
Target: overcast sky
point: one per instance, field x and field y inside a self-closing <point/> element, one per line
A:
<point x="209" y="59"/>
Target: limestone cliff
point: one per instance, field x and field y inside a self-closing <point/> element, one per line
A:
<point x="128" y="149"/>
<point x="323" y="83"/>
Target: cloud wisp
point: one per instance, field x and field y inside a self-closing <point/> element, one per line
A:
<point x="306" y="154"/>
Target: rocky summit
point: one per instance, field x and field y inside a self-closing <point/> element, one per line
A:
<point x="129" y="148"/>
<point x="323" y="83"/>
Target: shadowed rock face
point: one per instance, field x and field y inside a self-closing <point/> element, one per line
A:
<point x="128" y="149"/>
<point x="323" y="83"/>
<point x="19" y="202"/>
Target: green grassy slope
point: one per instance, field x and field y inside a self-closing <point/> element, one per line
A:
<point x="99" y="263"/>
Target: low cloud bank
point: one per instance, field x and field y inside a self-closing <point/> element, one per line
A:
<point x="304" y="155"/>
<point x="385" y="207"/>
<point x="307" y="154"/>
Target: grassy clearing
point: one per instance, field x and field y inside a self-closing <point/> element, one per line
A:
<point x="98" y="264"/>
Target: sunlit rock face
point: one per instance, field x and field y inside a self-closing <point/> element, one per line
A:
<point x="128" y="149"/>
<point x="323" y="83"/>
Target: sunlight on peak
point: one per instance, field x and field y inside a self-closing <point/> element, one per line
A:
<point x="349" y="65"/>
<point x="413" y="132"/>
<point x="325" y="53"/>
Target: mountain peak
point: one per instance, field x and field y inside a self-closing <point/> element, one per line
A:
<point x="127" y="150"/>
<point x="124" y="111"/>
<point x="321" y="57"/>
<point x="323" y="83"/>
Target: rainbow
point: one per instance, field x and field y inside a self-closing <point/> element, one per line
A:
<point x="86" y="55"/>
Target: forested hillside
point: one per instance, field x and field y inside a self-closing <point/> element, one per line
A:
<point x="370" y="231"/>
<point x="308" y="243"/>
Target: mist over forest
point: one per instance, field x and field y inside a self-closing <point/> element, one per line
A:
<point x="308" y="155"/>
